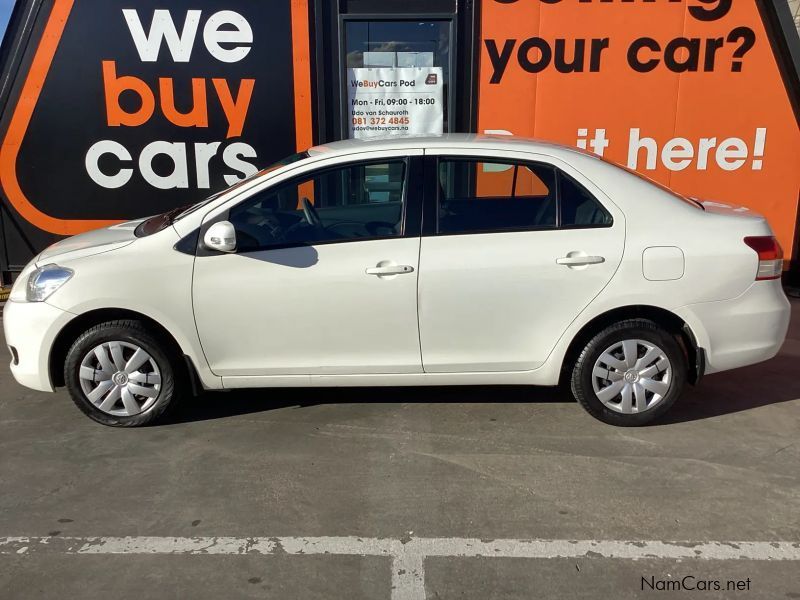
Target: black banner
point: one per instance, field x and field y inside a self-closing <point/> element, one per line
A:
<point x="145" y="106"/>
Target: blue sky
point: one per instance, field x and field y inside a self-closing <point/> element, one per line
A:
<point x="5" y="13"/>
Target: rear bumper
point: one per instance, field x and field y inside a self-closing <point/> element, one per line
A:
<point x="742" y="331"/>
<point x="30" y="329"/>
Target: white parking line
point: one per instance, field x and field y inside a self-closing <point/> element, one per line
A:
<point x="408" y="555"/>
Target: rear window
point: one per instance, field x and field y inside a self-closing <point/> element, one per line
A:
<point x="660" y="186"/>
<point x="643" y="177"/>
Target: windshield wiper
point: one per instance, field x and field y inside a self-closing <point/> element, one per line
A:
<point x="158" y="222"/>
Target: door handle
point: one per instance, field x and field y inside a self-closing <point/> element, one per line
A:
<point x="580" y="261"/>
<point x="390" y="270"/>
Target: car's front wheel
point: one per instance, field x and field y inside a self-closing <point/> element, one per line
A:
<point x="120" y="373"/>
<point x="630" y="373"/>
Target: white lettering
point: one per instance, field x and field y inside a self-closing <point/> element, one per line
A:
<point x="102" y="147"/>
<point x="179" y="178"/>
<point x="148" y="45"/>
<point x="213" y="36"/>
<point x="231" y="156"/>
<point x="635" y="144"/>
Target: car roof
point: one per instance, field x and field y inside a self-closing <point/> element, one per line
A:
<point x="464" y="141"/>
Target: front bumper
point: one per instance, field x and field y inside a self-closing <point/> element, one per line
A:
<point x="31" y="329"/>
<point x="742" y="331"/>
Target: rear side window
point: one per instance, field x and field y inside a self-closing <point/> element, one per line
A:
<point x="494" y="196"/>
<point x="578" y="207"/>
<point x="479" y="196"/>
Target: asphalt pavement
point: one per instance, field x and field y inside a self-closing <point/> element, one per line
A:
<point x="407" y="493"/>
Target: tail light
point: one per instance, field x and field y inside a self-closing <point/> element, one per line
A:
<point x="770" y="256"/>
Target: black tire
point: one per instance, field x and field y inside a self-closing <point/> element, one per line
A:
<point x="631" y="329"/>
<point x="139" y="334"/>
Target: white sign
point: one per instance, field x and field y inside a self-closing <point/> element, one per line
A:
<point x="414" y="59"/>
<point x="388" y="102"/>
<point x="380" y="59"/>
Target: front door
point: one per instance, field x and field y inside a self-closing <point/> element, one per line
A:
<point x="324" y="279"/>
<point x="516" y="251"/>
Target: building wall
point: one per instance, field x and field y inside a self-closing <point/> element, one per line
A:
<point x="102" y="121"/>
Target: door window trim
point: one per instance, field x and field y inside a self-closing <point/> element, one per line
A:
<point x="430" y="225"/>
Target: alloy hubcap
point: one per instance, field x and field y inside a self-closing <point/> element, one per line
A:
<point x="120" y="378"/>
<point x="631" y="376"/>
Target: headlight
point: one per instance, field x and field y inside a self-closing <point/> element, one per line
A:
<point x="46" y="280"/>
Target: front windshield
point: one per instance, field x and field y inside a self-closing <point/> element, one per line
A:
<point x="159" y="222"/>
<point x="274" y="166"/>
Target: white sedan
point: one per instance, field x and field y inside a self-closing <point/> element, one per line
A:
<point x="454" y="260"/>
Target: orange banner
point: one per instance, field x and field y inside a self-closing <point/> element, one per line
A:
<point x="687" y="92"/>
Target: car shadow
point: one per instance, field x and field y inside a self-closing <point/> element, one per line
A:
<point x="773" y="382"/>
<point x="297" y="257"/>
<point x="220" y="405"/>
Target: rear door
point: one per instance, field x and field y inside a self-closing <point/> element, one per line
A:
<point x="513" y="250"/>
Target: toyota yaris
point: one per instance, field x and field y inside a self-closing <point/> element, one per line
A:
<point x="441" y="261"/>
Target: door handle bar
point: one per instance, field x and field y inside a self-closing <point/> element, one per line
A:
<point x="390" y="270"/>
<point x="579" y="261"/>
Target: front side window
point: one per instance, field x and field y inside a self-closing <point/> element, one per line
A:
<point x="355" y="202"/>
<point x="486" y="196"/>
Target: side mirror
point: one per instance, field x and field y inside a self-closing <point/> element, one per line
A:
<point x="221" y="237"/>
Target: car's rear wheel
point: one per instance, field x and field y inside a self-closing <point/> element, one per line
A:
<point x="120" y="373"/>
<point x="630" y="373"/>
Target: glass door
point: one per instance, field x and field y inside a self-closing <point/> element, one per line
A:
<point x="395" y="76"/>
